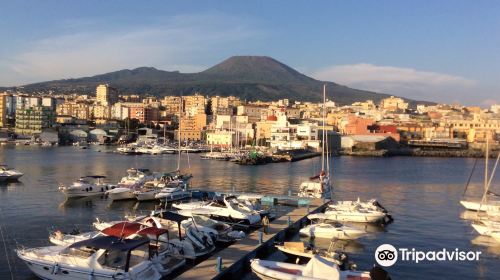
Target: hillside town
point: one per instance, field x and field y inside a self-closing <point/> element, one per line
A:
<point x="113" y="118"/>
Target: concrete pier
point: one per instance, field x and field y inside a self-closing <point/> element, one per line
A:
<point x="236" y="257"/>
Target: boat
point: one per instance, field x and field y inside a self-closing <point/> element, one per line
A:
<point x="103" y="257"/>
<point x="489" y="201"/>
<point x="316" y="268"/>
<point x="300" y="250"/>
<point x="371" y="204"/>
<point x="192" y="242"/>
<point x="9" y="174"/>
<point x="86" y="186"/>
<point x="222" y="232"/>
<point x="355" y="213"/>
<point x="331" y="230"/>
<point x="125" y="189"/>
<point x="226" y="209"/>
<point x="319" y="186"/>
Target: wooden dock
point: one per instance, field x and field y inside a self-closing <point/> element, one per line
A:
<point x="237" y="256"/>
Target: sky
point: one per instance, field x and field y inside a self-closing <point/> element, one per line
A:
<point x="443" y="51"/>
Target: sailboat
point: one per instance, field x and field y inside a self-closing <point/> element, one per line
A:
<point x="319" y="186"/>
<point x="484" y="204"/>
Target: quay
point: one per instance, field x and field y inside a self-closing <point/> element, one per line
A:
<point x="236" y="258"/>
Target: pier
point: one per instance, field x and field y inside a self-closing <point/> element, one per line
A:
<point x="236" y="257"/>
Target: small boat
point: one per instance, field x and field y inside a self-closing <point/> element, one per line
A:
<point x="353" y="214"/>
<point x="222" y="232"/>
<point x="103" y="257"/>
<point x="86" y="186"/>
<point x="476" y="205"/>
<point x="215" y="155"/>
<point x="135" y="179"/>
<point x="331" y="230"/>
<point x="316" y="268"/>
<point x="9" y="174"/>
<point x="300" y="250"/>
<point x="226" y="209"/>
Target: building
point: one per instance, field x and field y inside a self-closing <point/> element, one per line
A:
<point x="222" y="139"/>
<point x="191" y="127"/>
<point x="101" y="112"/>
<point x="393" y="104"/>
<point x="31" y="121"/>
<point x="171" y="105"/>
<point x="78" y="110"/>
<point x="3" y="110"/>
<point x="106" y="95"/>
<point x="194" y="104"/>
<point x="255" y="113"/>
<point x="143" y="113"/>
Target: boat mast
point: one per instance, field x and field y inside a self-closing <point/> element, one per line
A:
<point x="324" y="135"/>
<point x="179" y="136"/>
<point x="486" y="164"/>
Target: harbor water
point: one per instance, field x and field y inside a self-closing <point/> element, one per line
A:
<point x="422" y="194"/>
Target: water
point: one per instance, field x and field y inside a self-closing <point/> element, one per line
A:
<point x="421" y="193"/>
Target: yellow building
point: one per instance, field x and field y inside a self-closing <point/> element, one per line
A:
<point x="106" y="95"/>
<point x="78" y="110"/>
<point x="194" y="104"/>
<point x="191" y="127"/>
<point x="171" y="104"/>
<point x="393" y="104"/>
<point x="101" y="112"/>
<point x="221" y="138"/>
<point x="3" y="110"/>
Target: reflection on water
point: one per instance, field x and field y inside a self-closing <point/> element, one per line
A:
<point x="422" y="194"/>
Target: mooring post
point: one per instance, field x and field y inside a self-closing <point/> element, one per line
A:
<point x="308" y="210"/>
<point x="219" y="265"/>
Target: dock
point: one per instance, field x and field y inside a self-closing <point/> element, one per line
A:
<point x="236" y="257"/>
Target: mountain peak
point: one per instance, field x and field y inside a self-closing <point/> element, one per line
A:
<point x="256" y="69"/>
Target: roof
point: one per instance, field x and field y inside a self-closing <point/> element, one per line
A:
<point x="125" y="229"/>
<point x="94" y="176"/>
<point x="110" y="243"/>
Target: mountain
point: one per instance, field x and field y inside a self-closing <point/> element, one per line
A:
<point x="248" y="77"/>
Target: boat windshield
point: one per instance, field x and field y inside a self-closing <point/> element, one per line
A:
<point x="80" y="252"/>
<point x="117" y="259"/>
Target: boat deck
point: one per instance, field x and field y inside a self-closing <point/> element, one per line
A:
<point x="236" y="257"/>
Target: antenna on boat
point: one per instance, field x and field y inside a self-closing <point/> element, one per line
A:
<point x="323" y="136"/>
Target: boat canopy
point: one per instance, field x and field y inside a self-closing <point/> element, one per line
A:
<point x="168" y="215"/>
<point x="125" y="229"/>
<point x="111" y="243"/>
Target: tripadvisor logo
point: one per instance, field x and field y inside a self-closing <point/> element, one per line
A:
<point x="388" y="255"/>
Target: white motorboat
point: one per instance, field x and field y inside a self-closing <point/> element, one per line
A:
<point x="226" y="209"/>
<point x="125" y="189"/>
<point x="316" y="268"/>
<point x="331" y="230"/>
<point x="169" y="194"/>
<point x="302" y="251"/>
<point x="104" y="257"/>
<point x="193" y="242"/>
<point x="86" y="186"/>
<point x="221" y="232"/>
<point x="9" y="174"/>
<point x="371" y="204"/>
<point x="353" y="214"/>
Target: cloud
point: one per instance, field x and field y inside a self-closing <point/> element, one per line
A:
<point x="407" y="82"/>
<point x="177" y="43"/>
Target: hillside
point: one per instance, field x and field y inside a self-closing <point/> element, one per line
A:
<point x="248" y="77"/>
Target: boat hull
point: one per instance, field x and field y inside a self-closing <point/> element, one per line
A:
<point x="121" y="194"/>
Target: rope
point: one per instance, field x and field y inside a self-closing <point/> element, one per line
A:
<point x="470" y="176"/>
<point x="5" y="249"/>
